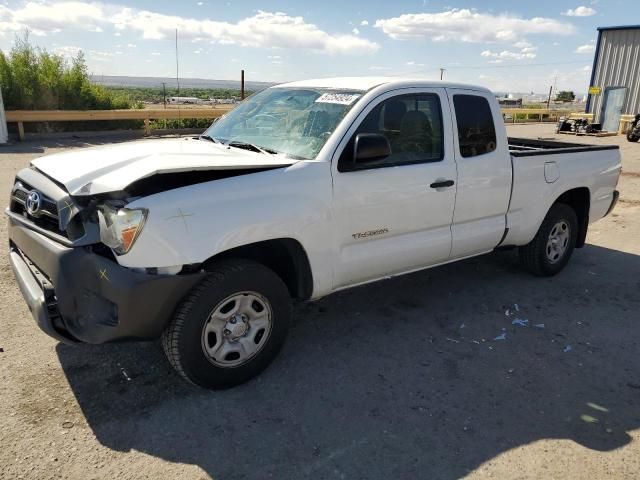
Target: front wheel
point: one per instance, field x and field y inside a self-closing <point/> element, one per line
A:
<point x="631" y="137"/>
<point x="229" y="327"/>
<point x="551" y="248"/>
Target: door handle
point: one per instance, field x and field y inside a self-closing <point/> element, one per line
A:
<point x="442" y="184"/>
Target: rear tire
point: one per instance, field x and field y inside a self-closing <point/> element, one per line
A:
<point x="551" y="248"/>
<point x="230" y="326"/>
<point x="631" y="137"/>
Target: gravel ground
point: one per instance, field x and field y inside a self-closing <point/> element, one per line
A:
<point x="411" y="385"/>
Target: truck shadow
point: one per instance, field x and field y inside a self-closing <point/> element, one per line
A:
<point x="399" y="379"/>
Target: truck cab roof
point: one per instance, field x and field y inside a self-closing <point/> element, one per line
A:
<point x="368" y="83"/>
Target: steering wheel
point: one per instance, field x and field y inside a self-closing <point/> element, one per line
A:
<point x="273" y="118"/>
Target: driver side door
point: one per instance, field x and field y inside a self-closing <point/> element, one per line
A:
<point x="394" y="216"/>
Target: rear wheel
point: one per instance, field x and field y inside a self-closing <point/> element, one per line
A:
<point x="551" y="248"/>
<point x="230" y="327"/>
<point x="631" y="137"/>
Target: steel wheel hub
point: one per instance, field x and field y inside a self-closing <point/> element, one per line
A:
<point x="558" y="241"/>
<point x="237" y="329"/>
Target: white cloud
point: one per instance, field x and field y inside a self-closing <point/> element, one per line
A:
<point x="469" y="26"/>
<point x="263" y="29"/>
<point x="364" y="23"/>
<point x="131" y="45"/>
<point x="355" y="31"/>
<point x="43" y="18"/>
<point x="586" y="68"/>
<point x="377" y="68"/>
<point x="99" y="56"/>
<point x="522" y="44"/>
<point x="580" y="12"/>
<point x="588" y="48"/>
<point x="414" y="64"/>
<point x="156" y="54"/>
<point x="67" y="51"/>
<point x="525" y="53"/>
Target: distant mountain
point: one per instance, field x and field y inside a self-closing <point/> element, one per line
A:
<point x="124" y="81"/>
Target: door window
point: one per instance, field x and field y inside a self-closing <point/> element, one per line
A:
<point x="413" y="126"/>
<point x="476" y="131"/>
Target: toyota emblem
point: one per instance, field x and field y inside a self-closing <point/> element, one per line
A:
<point x="33" y="202"/>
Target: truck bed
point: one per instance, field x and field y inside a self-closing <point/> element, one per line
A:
<point x="524" y="147"/>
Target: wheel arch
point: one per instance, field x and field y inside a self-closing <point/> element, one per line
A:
<point x="580" y="200"/>
<point x="285" y="256"/>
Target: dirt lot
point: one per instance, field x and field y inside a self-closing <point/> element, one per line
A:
<point x="397" y="380"/>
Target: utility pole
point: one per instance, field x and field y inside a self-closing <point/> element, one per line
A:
<point x="549" y="99"/>
<point x="442" y="70"/>
<point x="164" y="94"/>
<point x="177" y="76"/>
<point x="241" y="84"/>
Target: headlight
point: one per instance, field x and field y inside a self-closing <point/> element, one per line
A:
<point x="119" y="227"/>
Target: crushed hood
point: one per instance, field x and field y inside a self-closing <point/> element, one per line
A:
<point x="90" y="171"/>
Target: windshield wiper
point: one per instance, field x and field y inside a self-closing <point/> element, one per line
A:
<point x="208" y="137"/>
<point x="251" y="146"/>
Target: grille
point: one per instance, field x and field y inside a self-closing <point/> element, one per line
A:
<point x="47" y="216"/>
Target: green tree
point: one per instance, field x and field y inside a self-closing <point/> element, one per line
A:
<point x="565" y="96"/>
<point x="34" y="79"/>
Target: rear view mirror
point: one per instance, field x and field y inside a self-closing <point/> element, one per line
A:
<point x="370" y="147"/>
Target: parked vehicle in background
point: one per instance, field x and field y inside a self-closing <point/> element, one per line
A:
<point x="184" y="100"/>
<point x="578" y="125"/>
<point x="633" y="133"/>
<point x="303" y="190"/>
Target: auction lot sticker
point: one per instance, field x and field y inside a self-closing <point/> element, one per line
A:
<point x="341" y="98"/>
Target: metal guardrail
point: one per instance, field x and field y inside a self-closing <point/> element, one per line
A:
<point x="22" y="116"/>
<point x="552" y="115"/>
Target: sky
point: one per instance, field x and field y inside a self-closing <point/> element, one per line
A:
<point x="508" y="46"/>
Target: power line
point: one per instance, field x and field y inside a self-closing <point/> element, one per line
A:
<point x="482" y="67"/>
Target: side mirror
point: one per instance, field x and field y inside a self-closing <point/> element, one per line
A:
<point x="370" y="147"/>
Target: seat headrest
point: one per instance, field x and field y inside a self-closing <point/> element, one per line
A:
<point x="415" y="122"/>
<point x="394" y="111"/>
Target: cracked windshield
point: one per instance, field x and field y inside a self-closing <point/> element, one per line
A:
<point x="292" y="121"/>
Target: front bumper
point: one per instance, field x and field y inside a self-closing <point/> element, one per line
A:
<point x="76" y="295"/>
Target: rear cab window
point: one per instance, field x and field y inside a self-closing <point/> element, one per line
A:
<point x="476" y="131"/>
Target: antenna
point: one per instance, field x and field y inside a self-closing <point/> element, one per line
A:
<point x="177" y="76"/>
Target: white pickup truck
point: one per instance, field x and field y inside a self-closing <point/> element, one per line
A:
<point x="302" y="190"/>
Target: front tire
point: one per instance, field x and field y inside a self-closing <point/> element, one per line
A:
<point x="551" y="248"/>
<point x="631" y="137"/>
<point x="229" y="327"/>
